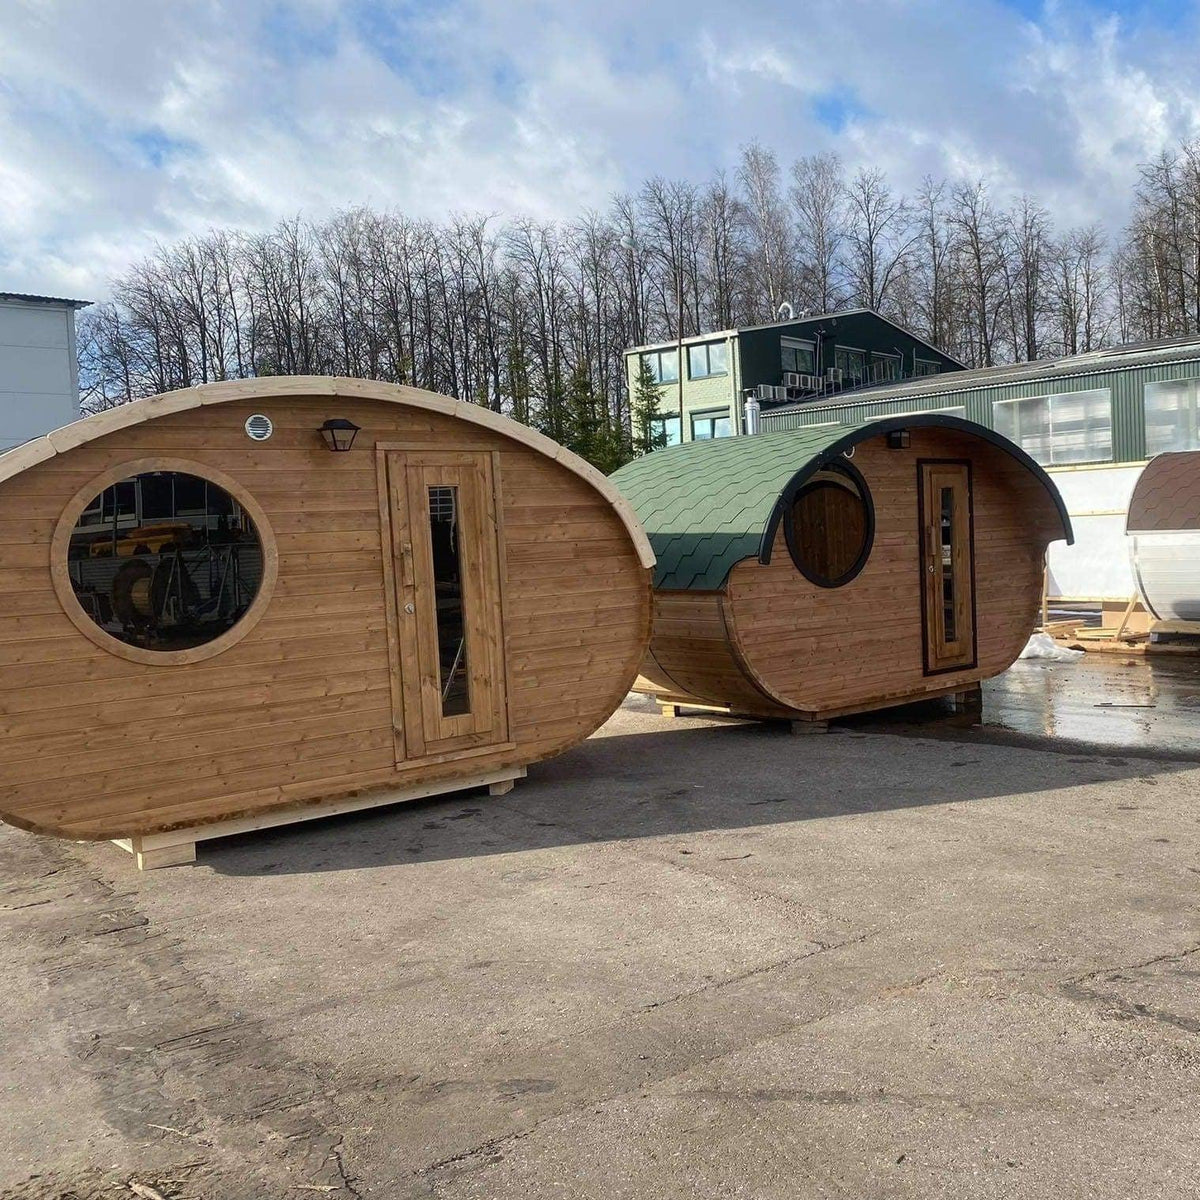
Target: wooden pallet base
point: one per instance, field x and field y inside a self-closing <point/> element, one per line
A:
<point x="178" y="846"/>
<point x="966" y="700"/>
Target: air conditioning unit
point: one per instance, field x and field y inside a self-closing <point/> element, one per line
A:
<point x="792" y="380"/>
<point x="808" y="383"/>
<point x="834" y="375"/>
<point x="781" y="393"/>
<point x="765" y="391"/>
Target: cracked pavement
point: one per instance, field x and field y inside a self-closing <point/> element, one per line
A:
<point x="688" y="958"/>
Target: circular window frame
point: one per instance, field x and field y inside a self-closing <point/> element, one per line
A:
<point x="78" y="616"/>
<point x="847" y="468"/>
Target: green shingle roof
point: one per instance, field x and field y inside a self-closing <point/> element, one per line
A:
<point x="707" y="505"/>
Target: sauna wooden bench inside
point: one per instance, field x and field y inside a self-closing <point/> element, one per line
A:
<point x="928" y="603"/>
<point x="325" y="695"/>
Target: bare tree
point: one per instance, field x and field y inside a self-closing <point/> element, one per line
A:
<point x="769" y="262"/>
<point x="819" y="203"/>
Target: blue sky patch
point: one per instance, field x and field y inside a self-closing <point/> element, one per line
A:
<point x="835" y="109"/>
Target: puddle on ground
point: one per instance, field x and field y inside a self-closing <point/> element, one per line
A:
<point x="1147" y="703"/>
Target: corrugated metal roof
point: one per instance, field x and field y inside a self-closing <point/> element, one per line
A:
<point x="26" y="298"/>
<point x="1094" y="362"/>
<point x="707" y="505"/>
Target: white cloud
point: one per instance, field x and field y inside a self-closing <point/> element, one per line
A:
<point x="170" y="118"/>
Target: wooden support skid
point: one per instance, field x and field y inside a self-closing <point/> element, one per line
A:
<point x="178" y="846"/>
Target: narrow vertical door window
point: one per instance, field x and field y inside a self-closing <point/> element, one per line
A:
<point x="949" y="624"/>
<point x="454" y="680"/>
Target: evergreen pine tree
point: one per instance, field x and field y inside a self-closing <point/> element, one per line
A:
<point x="643" y="408"/>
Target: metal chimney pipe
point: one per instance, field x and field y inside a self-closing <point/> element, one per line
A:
<point x="752" y="413"/>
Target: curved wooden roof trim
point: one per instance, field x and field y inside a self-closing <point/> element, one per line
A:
<point x="112" y="420"/>
<point x="874" y="428"/>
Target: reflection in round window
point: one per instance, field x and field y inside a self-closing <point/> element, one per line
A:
<point x="165" y="561"/>
<point x="831" y="525"/>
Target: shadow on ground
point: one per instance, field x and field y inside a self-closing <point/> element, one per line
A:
<point x="644" y="777"/>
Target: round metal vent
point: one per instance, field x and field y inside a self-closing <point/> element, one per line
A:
<point x="259" y="427"/>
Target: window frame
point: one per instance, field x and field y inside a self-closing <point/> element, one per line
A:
<point x="847" y="468"/>
<point x="789" y="343"/>
<point x="1191" y="394"/>
<point x="60" y="575"/>
<point x="707" y="347"/>
<point x="1048" y="398"/>
<point x="664" y="418"/>
<point x="714" y="415"/>
<point x="882" y="356"/>
<point x="656" y="368"/>
<point x="863" y="355"/>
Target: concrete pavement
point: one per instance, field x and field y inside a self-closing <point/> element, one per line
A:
<point x="687" y="958"/>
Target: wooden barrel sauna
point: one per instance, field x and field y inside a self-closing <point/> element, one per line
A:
<point x="1163" y="530"/>
<point x="257" y="601"/>
<point x="835" y="569"/>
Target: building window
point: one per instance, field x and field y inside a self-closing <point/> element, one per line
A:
<point x="798" y="356"/>
<point x="1068" y="427"/>
<point x="830" y="525"/>
<point x="164" y="561"/>
<point x="707" y="359"/>
<point x="852" y="364"/>
<point x="711" y="425"/>
<point x="923" y="366"/>
<point x="663" y="364"/>
<point x="884" y="368"/>
<point x="667" y="425"/>
<point x="1171" y="416"/>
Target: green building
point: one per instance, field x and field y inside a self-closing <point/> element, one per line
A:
<point x="1122" y="405"/>
<point x="813" y="358"/>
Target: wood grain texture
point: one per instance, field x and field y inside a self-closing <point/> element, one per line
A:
<point x="831" y="651"/>
<point x="305" y="704"/>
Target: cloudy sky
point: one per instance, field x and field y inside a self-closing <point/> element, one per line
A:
<point x="125" y="122"/>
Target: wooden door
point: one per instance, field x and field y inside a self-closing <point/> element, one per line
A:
<point x="947" y="565"/>
<point x="449" y="635"/>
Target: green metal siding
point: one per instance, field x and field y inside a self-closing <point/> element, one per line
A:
<point x="1126" y="386"/>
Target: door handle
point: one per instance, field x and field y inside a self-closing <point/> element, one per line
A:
<point x="406" y="564"/>
<point x="930" y="548"/>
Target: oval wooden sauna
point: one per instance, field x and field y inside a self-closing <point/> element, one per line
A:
<point x="829" y="570"/>
<point x="214" y="620"/>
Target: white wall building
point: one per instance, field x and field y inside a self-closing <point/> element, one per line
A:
<point x="39" y="373"/>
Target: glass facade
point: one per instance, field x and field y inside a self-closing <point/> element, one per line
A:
<point x="1171" y="416"/>
<point x="1067" y="427"/>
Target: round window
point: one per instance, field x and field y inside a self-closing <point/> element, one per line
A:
<point x="830" y="525"/>
<point x="165" y="561"/>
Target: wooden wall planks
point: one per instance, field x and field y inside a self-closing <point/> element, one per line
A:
<point x="94" y="745"/>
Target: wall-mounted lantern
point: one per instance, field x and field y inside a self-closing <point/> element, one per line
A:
<point x="339" y="434"/>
